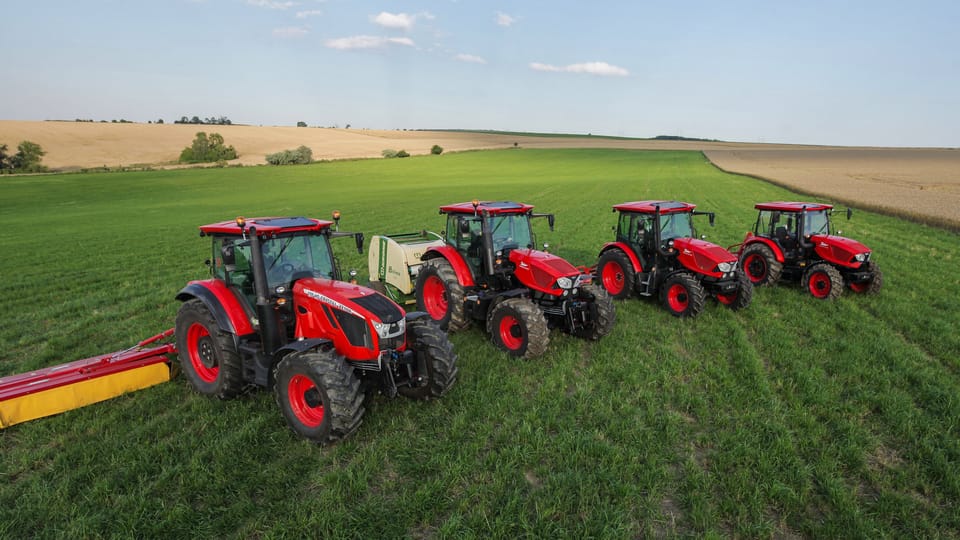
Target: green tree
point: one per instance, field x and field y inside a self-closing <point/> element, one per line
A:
<point x="5" y="164"/>
<point x="206" y="149"/>
<point x="436" y="150"/>
<point x="301" y="124"/>
<point x="27" y="159"/>
<point x="301" y="155"/>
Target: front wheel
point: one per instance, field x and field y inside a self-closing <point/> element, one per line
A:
<point x="208" y="356"/>
<point x="517" y="326"/>
<point x="606" y="315"/>
<point x="870" y="287"/>
<point x="760" y="265"/>
<point x="435" y="369"/>
<point x="823" y="281"/>
<point x="682" y="295"/>
<point x="318" y="395"/>
<point x="440" y="294"/>
<point x="616" y="274"/>
<point x="741" y="297"/>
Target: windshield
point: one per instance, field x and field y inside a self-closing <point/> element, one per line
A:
<point x="294" y="257"/>
<point x="816" y="223"/>
<point x="676" y="226"/>
<point x="510" y="231"/>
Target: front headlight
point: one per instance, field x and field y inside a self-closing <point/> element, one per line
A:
<point x="860" y="257"/>
<point x="384" y="329"/>
<point x="726" y="267"/>
<point x="565" y="283"/>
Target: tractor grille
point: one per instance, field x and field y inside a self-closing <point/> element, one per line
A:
<point x="380" y="306"/>
<point x="356" y="329"/>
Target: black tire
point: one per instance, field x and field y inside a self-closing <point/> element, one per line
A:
<point x="616" y="274"/>
<point x="823" y="281"/>
<point x="682" y="295"/>
<point x="740" y="298"/>
<point x="869" y="287"/>
<point x="440" y="295"/>
<point x="518" y="326"/>
<point x="760" y="265"/>
<point x="435" y="371"/>
<point x="207" y="354"/>
<point x="318" y="395"/>
<point x="606" y="314"/>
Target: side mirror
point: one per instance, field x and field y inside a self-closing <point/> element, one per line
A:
<point x="550" y="221"/>
<point x="712" y="217"/>
<point x="359" y="238"/>
<point x="849" y="213"/>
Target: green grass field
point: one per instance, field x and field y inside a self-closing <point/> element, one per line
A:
<point x="792" y="418"/>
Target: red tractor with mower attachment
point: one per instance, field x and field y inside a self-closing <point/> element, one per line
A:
<point x="484" y="268"/>
<point x="792" y="240"/>
<point x="656" y="252"/>
<point x="276" y="314"/>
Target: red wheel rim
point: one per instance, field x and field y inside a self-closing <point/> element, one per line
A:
<point x="727" y="299"/>
<point x="305" y="401"/>
<point x="511" y="333"/>
<point x="756" y="267"/>
<point x="435" y="297"/>
<point x="203" y="357"/>
<point x="820" y="285"/>
<point x="612" y="277"/>
<point x="677" y="298"/>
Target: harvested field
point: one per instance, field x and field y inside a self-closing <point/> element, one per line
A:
<point x="917" y="183"/>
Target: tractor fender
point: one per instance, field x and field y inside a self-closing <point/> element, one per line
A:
<point x="415" y="315"/>
<point x="622" y="246"/>
<point x="777" y="252"/>
<point x="464" y="275"/>
<point x="226" y="308"/>
<point x="301" y="345"/>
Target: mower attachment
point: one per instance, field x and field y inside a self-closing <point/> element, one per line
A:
<point x="57" y="389"/>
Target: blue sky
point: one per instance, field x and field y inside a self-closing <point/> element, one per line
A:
<point x="847" y="73"/>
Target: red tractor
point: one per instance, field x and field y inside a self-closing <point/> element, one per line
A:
<point x="656" y="253"/>
<point x="275" y="314"/>
<point x="792" y="240"/>
<point x="485" y="269"/>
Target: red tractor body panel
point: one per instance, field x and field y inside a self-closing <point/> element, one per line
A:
<point x="622" y="246"/>
<point x="838" y="250"/>
<point x="231" y="303"/>
<point x="460" y="267"/>
<point x="324" y="310"/>
<point x="540" y="270"/>
<point x="701" y="256"/>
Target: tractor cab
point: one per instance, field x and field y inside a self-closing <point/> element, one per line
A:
<point x="484" y="233"/>
<point x="796" y="227"/>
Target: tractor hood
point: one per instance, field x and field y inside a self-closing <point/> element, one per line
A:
<point x="541" y="270"/>
<point x="350" y="298"/>
<point x="840" y="250"/>
<point x="703" y="257"/>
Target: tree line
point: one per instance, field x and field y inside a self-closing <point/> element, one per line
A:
<point x="26" y="160"/>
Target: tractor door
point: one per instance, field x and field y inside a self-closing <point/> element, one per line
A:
<point x="464" y="234"/>
<point x="636" y="230"/>
<point x="231" y="256"/>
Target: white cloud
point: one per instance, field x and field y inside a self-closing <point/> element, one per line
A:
<point x="271" y="4"/>
<point x="366" y="42"/>
<point x="290" y="32"/>
<point x="505" y="20"/>
<point x="592" y="68"/>
<point x="470" y="58"/>
<point x="309" y="13"/>
<point x="400" y="21"/>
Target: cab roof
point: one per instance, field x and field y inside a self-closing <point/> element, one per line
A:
<point x="649" y="207"/>
<point x="491" y="207"/>
<point x="792" y="206"/>
<point x="266" y="225"/>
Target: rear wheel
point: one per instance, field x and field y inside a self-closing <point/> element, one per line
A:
<point x="616" y="273"/>
<point x="517" y="326"/>
<point x="823" y="281"/>
<point x="682" y="295"/>
<point x="741" y="297"/>
<point x="606" y="314"/>
<point x="440" y="294"/>
<point x="760" y="265"/>
<point x="435" y="369"/>
<point x="870" y="287"/>
<point x="318" y="395"/>
<point x="208" y="356"/>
